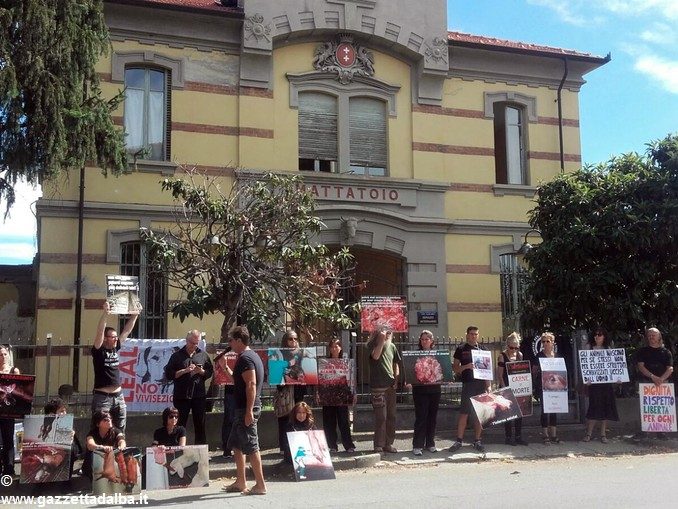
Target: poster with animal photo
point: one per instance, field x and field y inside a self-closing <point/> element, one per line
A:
<point x="46" y="448"/>
<point x="520" y="381"/>
<point x="496" y="407"/>
<point x="427" y="367"/>
<point x="117" y="471"/>
<point x="16" y="395"/>
<point x="336" y="382"/>
<point x="177" y="467"/>
<point x="221" y="361"/>
<point x="122" y="294"/>
<point x="554" y="385"/>
<point x="292" y="366"/>
<point x="310" y="455"/>
<point x="482" y="364"/>
<point x="388" y="312"/>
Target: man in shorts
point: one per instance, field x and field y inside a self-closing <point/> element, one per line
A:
<point x="248" y="378"/>
<point x="470" y="386"/>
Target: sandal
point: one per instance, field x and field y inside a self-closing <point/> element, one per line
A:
<point x="604" y="439"/>
<point x="587" y="438"/>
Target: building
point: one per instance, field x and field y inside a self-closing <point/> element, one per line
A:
<point x="424" y="147"/>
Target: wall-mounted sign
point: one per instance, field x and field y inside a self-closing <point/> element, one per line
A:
<point x="427" y="317"/>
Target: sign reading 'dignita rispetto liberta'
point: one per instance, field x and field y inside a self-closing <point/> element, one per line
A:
<point x="603" y="366"/>
<point x="657" y="407"/>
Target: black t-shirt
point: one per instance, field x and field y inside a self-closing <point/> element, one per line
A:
<point x="247" y="360"/>
<point x="161" y="436"/>
<point x="111" y="438"/>
<point x="189" y="386"/>
<point x="463" y="355"/>
<point x="656" y="360"/>
<point x="106" y="361"/>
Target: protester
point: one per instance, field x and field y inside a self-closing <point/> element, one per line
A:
<point x="108" y="395"/>
<point x="384" y="372"/>
<point x="171" y="434"/>
<point x="300" y="419"/>
<point x="229" y="406"/>
<point x="286" y="396"/>
<point x="512" y="429"/>
<point x="248" y="378"/>
<point x="426" y="401"/>
<point x="334" y="416"/>
<point x="548" y="421"/>
<point x="190" y="367"/>
<point x="7" y="425"/>
<point x="54" y="409"/>
<point x="102" y="438"/>
<point x="470" y="386"/>
<point x="655" y="365"/>
<point x="602" y="400"/>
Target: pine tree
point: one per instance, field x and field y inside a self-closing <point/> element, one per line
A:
<point x="53" y="117"/>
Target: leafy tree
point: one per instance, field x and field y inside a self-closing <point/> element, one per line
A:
<point x="609" y="253"/>
<point x="248" y="254"/>
<point x="52" y="114"/>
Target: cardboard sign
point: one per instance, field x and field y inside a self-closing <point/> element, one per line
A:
<point x="117" y="471"/>
<point x="221" y="360"/>
<point x="310" y="455"/>
<point x="496" y="407"/>
<point x="657" y="408"/>
<point x="388" y="312"/>
<point x="554" y="385"/>
<point x="16" y="395"/>
<point x="520" y="381"/>
<point x="482" y="364"/>
<point x="122" y="294"/>
<point x="336" y="382"/>
<point x="292" y="366"/>
<point x="603" y="366"/>
<point x="177" y="467"/>
<point x="46" y="448"/>
<point x="427" y="367"/>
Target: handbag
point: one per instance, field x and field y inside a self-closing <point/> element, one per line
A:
<point x="283" y="402"/>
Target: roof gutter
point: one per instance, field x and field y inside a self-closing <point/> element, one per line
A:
<point x="560" y="116"/>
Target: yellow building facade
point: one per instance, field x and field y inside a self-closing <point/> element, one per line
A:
<point x="424" y="149"/>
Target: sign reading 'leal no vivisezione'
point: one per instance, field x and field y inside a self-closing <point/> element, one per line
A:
<point x="603" y="366"/>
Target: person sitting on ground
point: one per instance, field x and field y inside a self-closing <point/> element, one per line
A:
<point x="171" y="434"/>
<point x="57" y="408"/>
<point x="103" y="437"/>
<point x="300" y="419"/>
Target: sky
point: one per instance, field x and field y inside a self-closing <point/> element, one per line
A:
<point x="625" y="104"/>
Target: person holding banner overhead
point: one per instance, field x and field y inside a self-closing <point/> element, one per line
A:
<point x="510" y="354"/>
<point x="549" y="421"/>
<point x="108" y="395"/>
<point x="602" y="401"/>
<point x="7" y="425"/>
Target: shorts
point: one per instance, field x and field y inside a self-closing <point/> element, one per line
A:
<point x="469" y="389"/>
<point x="244" y="438"/>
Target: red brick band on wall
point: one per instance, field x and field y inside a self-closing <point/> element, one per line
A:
<point x="72" y="258"/>
<point x="467" y="269"/>
<point x="94" y="303"/>
<point x="465" y="113"/>
<point x="55" y="303"/>
<point x="196" y="86"/>
<point x="256" y="92"/>
<point x="474" y="307"/>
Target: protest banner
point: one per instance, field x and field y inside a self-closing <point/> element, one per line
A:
<point x="122" y="294"/>
<point x="292" y="366"/>
<point x="482" y="364"/>
<point x="377" y="311"/>
<point x="520" y="381"/>
<point x="603" y="366"/>
<point x="427" y="367"/>
<point x="336" y="382"/>
<point x="16" y="395"/>
<point x="554" y="385"/>
<point x="117" y="471"/>
<point x="177" y="467"/>
<point x="221" y="360"/>
<point x="310" y="455"/>
<point x="46" y="448"/>
<point x="142" y="373"/>
<point x="657" y="408"/>
<point x="496" y="407"/>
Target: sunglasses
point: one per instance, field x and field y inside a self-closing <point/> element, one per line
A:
<point x="173" y="416"/>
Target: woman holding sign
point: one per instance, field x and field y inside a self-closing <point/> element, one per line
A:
<point x="548" y="420"/>
<point x="602" y="402"/>
<point x="7" y="425"/>
<point x="510" y="354"/>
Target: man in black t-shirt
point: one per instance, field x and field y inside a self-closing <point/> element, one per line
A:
<point x="248" y="378"/>
<point x="107" y="395"/>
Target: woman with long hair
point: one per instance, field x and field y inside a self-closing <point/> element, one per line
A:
<point x="337" y="416"/>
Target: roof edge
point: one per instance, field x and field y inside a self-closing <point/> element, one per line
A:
<point x="226" y="12"/>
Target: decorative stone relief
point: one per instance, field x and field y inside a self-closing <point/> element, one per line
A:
<point x="254" y="27"/>
<point x="436" y="50"/>
<point x="345" y="58"/>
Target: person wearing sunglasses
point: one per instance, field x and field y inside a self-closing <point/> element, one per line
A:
<point x="549" y="421"/>
<point x="510" y="354"/>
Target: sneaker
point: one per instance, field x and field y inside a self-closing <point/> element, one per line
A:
<point x="520" y="441"/>
<point x="432" y="449"/>
<point x="350" y="449"/>
<point x="455" y="446"/>
<point x="416" y="451"/>
<point x="509" y="441"/>
<point x="478" y="446"/>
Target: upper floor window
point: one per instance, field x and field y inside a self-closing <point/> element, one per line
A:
<point x="367" y="123"/>
<point x="147" y="112"/>
<point x="318" y="148"/>
<point x="510" y="154"/>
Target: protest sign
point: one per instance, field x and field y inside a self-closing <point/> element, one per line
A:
<point x="221" y="361"/>
<point x="117" y="471"/>
<point x="603" y="366"/>
<point x="554" y="385"/>
<point x="292" y="366"/>
<point x="177" y="467"/>
<point x="336" y="382"/>
<point x="520" y="381"/>
<point x="496" y="407"/>
<point x="482" y="364"/>
<point x="427" y="367"/>
<point x="657" y="407"/>
<point x="310" y="455"/>
<point x="16" y="395"/>
<point x="46" y="448"/>
<point x="388" y="312"/>
<point x="122" y="294"/>
<point x="142" y="373"/>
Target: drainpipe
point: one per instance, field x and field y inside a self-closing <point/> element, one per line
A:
<point x="560" y="117"/>
<point x="78" y="283"/>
